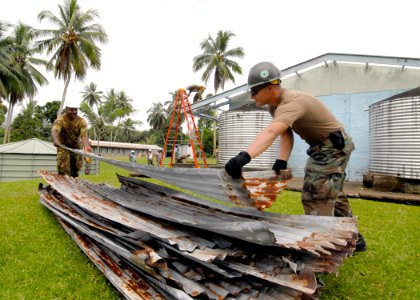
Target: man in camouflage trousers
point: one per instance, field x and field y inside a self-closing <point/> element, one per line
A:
<point x="324" y="179"/>
<point x="329" y="145"/>
<point x="69" y="130"/>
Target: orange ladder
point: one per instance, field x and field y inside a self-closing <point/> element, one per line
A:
<point x="182" y="105"/>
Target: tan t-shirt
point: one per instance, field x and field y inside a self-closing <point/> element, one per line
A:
<point x="306" y="115"/>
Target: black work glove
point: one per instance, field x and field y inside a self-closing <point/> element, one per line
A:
<point x="235" y="164"/>
<point x="279" y="165"/>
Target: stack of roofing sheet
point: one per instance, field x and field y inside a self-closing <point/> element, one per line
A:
<point x="153" y="242"/>
<point x="258" y="188"/>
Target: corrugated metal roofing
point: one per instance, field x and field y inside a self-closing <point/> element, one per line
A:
<point x="259" y="189"/>
<point x="21" y="160"/>
<point x="124" y="145"/>
<point x="30" y="146"/>
<point x="156" y="243"/>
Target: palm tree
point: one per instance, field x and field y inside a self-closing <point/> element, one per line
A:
<point x="96" y="120"/>
<point x="217" y="59"/>
<point x="6" y="71"/>
<point x="23" y="62"/>
<point x="157" y="116"/>
<point x="91" y="96"/>
<point x="72" y="42"/>
<point x="109" y="108"/>
<point x="150" y="140"/>
<point x="124" y="109"/>
<point x="3" y="111"/>
<point x="128" y="128"/>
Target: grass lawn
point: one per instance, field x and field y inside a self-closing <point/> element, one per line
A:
<point x="38" y="260"/>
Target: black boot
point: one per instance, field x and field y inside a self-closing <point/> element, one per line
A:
<point x="319" y="283"/>
<point x="360" y="244"/>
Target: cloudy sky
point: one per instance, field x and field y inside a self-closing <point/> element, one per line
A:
<point x="152" y="43"/>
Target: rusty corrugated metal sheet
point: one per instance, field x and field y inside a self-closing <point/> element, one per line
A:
<point x="183" y="247"/>
<point x="258" y="188"/>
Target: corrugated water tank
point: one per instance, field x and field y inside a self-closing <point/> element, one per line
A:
<point x="238" y="129"/>
<point x="394" y="135"/>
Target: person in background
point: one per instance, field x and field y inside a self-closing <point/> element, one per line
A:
<point x="158" y="157"/>
<point x="132" y="157"/>
<point x="70" y="130"/>
<point x="150" y="158"/>
<point x="177" y="154"/>
<point x="329" y="144"/>
<point x="198" y="89"/>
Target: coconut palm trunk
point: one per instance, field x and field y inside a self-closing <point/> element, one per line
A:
<point x="63" y="98"/>
<point x="6" y="138"/>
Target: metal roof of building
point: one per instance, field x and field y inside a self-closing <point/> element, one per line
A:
<point x="239" y="94"/>
<point x="410" y="93"/>
<point x="353" y="58"/>
<point x="30" y="146"/>
<point x="124" y="145"/>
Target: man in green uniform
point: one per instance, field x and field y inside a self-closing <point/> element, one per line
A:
<point x="69" y="130"/>
<point x="329" y="145"/>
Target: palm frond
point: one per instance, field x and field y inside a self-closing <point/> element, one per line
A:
<point x="216" y="59"/>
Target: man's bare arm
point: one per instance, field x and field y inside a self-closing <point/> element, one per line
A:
<point x="266" y="138"/>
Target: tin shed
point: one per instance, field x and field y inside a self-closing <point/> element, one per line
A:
<point x="21" y="160"/>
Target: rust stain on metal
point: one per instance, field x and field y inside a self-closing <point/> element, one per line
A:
<point x="264" y="191"/>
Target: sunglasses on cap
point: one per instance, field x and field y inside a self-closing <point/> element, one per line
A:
<point x="256" y="89"/>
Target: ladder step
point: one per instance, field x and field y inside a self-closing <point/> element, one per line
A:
<point x="182" y="108"/>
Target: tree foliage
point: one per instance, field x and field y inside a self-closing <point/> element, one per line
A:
<point x="217" y="59"/>
<point x="49" y="111"/>
<point x="72" y="42"/>
<point x="28" y="123"/>
<point x="91" y="96"/>
<point x="27" y="76"/>
<point x="3" y="111"/>
<point x="157" y="116"/>
<point x="104" y="111"/>
<point x="7" y="73"/>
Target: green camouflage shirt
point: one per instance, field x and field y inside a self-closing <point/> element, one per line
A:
<point x="70" y="132"/>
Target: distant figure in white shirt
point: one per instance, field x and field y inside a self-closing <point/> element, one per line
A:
<point x="133" y="157"/>
<point x="150" y="158"/>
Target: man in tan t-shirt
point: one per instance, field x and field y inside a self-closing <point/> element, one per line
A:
<point x="329" y="145"/>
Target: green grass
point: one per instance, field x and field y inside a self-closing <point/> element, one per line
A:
<point x="38" y="260"/>
<point x="390" y="267"/>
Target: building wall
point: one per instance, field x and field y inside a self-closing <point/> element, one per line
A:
<point x="351" y="111"/>
<point x="344" y="78"/>
<point x="24" y="166"/>
<point x="106" y="148"/>
<point x="15" y="166"/>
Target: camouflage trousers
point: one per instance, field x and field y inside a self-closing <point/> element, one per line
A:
<point x="68" y="163"/>
<point x="322" y="192"/>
